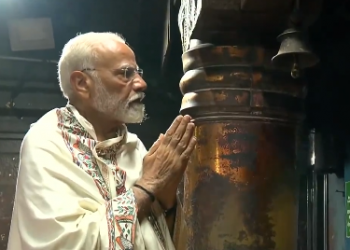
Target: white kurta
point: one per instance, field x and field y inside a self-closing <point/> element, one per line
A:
<point x="73" y="193"/>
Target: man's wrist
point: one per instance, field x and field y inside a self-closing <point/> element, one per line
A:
<point x="149" y="193"/>
<point x="143" y="203"/>
<point x="168" y="202"/>
<point x="149" y="186"/>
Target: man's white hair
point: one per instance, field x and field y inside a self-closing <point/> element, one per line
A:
<point x="80" y="53"/>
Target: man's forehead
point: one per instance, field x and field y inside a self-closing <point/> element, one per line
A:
<point x="115" y="51"/>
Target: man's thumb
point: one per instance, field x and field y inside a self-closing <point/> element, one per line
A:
<point x="155" y="145"/>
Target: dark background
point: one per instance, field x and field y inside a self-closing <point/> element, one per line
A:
<point x="34" y="86"/>
<point x="143" y="23"/>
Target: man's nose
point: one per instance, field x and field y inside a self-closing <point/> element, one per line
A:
<point x="139" y="84"/>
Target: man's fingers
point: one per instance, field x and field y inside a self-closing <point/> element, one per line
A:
<point x="181" y="129"/>
<point x="185" y="156"/>
<point x="171" y="130"/>
<point x="156" y="144"/>
<point x="185" y="140"/>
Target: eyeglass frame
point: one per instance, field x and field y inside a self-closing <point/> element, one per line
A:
<point x="124" y="70"/>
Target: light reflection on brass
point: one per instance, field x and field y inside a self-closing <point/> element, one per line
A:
<point x="241" y="75"/>
<point x="241" y="98"/>
<point x="214" y="78"/>
<point x="227" y="182"/>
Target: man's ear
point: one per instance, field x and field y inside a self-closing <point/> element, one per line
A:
<point x="81" y="84"/>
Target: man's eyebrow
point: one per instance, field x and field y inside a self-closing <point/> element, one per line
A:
<point x="129" y="66"/>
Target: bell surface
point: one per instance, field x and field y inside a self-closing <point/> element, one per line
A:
<point x="294" y="49"/>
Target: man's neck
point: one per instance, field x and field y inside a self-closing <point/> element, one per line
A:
<point x="104" y="128"/>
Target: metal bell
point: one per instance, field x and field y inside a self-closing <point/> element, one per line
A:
<point x="294" y="53"/>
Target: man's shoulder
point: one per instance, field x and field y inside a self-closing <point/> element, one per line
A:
<point x="45" y="128"/>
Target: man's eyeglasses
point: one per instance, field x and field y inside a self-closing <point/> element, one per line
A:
<point x="128" y="72"/>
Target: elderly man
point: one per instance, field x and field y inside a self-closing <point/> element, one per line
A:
<point x="84" y="181"/>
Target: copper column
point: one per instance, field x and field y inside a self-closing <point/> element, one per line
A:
<point x="240" y="189"/>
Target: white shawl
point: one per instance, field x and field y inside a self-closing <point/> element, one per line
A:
<point x="73" y="192"/>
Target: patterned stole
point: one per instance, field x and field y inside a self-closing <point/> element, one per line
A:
<point x="76" y="136"/>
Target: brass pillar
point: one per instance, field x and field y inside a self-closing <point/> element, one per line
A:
<point x="240" y="190"/>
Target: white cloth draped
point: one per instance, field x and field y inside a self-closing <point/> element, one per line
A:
<point x="73" y="192"/>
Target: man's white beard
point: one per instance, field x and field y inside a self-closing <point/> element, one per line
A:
<point x="117" y="109"/>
